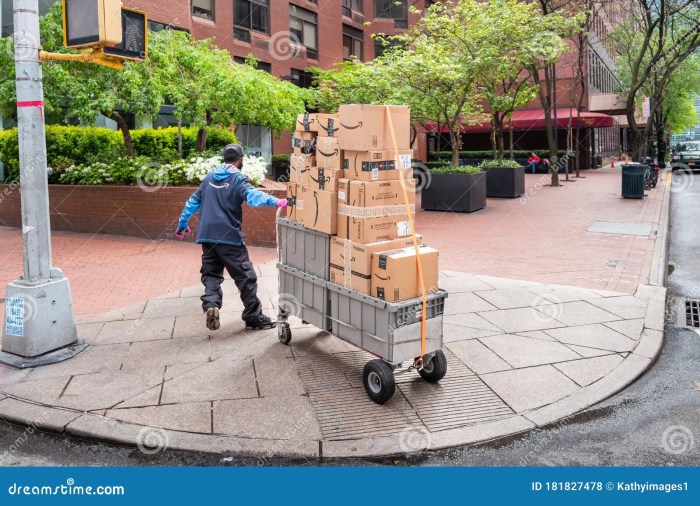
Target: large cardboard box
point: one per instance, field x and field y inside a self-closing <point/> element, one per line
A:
<point x="328" y="154"/>
<point x="304" y="143"/>
<point x="320" y="210"/>
<point x="377" y="165"/>
<point x="395" y="273"/>
<point x="373" y="211"/>
<point x="365" y="127"/>
<point x="351" y="262"/>
<point x="306" y="123"/>
<point x="374" y="193"/>
<point x="323" y="124"/>
<point x="292" y="197"/>
<point x="299" y="166"/>
<point x="319" y="178"/>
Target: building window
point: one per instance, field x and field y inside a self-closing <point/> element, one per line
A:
<point x="155" y="26"/>
<point x="352" y="43"/>
<point x="203" y="9"/>
<point x="250" y="15"/>
<point x="303" y="26"/>
<point x="267" y="67"/>
<point x="351" y="5"/>
<point x="392" y="9"/>
<point x="301" y="78"/>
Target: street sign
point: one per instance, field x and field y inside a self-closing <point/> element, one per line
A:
<point x="134" y="45"/>
<point x="646" y="107"/>
<point x="90" y="23"/>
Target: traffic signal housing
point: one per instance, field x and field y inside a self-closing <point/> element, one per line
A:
<point x="134" y="45"/>
<point x="92" y="23"/>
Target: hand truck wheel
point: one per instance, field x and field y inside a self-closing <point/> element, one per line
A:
<point x="435" y="368"/>
<point x="284" y="333"/>
<point x="378" y="379"/>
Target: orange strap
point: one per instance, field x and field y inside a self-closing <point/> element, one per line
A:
<point x="424" y="294"/>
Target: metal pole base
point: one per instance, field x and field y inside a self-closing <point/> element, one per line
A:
<point x="52" y="357"/>
<point x="38" y="317"/>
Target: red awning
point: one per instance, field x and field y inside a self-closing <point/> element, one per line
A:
<point x="534" y="120"/>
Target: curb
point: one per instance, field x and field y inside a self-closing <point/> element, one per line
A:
<point x="90" y="426"/>
<point x="659" y="259"/>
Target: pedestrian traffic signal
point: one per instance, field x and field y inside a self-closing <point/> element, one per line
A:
<point x="134" y="45"/>
<point x="92" y="23"/>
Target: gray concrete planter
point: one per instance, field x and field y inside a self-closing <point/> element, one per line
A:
<point x="505" y="182"/>
<point x="463" y="193"/>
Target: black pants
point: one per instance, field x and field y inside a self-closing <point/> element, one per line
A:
<point x="215" y="258"/>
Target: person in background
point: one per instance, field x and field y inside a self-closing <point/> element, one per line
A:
<point x="219" y="200"/>
<point x="533" y="162"/>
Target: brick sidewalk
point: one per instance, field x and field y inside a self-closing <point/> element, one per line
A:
<point x="542" y="236"/>
<point x="539" y="238"/>
<point x="108" y="272"/>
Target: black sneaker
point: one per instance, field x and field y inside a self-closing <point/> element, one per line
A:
<point x="260" y="323"/>
<point x="213" y="318"/>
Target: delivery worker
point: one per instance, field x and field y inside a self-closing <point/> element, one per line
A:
<point x="220" y="199"/>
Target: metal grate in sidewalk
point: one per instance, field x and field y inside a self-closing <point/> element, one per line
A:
<point x="692" y="313"/>
<point x="343" y="410"/>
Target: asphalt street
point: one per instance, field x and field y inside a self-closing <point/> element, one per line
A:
<point x="654" y="422"/>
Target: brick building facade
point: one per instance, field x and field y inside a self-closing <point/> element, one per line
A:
<point x="288" y="36"/>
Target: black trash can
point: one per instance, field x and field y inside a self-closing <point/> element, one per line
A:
<point x="633" y="180"/>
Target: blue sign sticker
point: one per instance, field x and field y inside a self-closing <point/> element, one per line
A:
<point x="14" y="316"/>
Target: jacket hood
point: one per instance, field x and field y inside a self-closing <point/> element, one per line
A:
<point x="221" y="172"/>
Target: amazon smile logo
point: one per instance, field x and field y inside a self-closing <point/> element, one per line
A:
<point x="225" y="185"/>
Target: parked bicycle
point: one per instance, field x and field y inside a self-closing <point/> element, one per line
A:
<point x="651" y="174"/>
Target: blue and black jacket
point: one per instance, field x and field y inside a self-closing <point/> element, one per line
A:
<point x="219" y="199"/>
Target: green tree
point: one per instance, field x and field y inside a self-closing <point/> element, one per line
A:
<point x="652" y="43"/>
<point x="80" y="91"/>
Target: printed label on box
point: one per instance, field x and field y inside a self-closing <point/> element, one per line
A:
<point x="14" y="316"/>
<point x="405" y="161"/>
<point x="403" y="228"/>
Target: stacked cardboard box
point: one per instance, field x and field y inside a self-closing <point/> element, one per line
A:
<point x="348" y="183"/>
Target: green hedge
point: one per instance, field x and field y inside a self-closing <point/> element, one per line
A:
<point x="518" y="153"/>
<point x="70" y="145"/>
<point x="161" y="145"/>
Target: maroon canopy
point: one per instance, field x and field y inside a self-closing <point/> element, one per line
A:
<point x="534" y="120"/>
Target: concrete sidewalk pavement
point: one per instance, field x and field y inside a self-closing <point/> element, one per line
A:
<point x="521" y="355"/>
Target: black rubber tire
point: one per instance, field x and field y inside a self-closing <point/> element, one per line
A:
<point x="284" y="334"/>
<point x="379" y="382"/>
<point x="435" y="370"/>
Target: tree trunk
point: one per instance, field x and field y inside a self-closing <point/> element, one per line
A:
<point x="454" y="142"/>
<point x="494" y="143"/>
<point x="510" y="139"/>
<point x="634" y="139"/>
<point x="124" y="128"/>
<point x="499" y="140"/>
<point x="202" y="134"/>
<point x="179" y="138"/>
<point x="202" y="139"/>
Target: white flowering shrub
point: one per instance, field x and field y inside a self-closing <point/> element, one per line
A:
<point x="255" y="167"/>
<point x="145" y="173"/>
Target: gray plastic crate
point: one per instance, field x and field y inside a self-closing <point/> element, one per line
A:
<point x="305" y="296"/>
<point x="304" y="249"/>
<point x="388" y="330"/>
